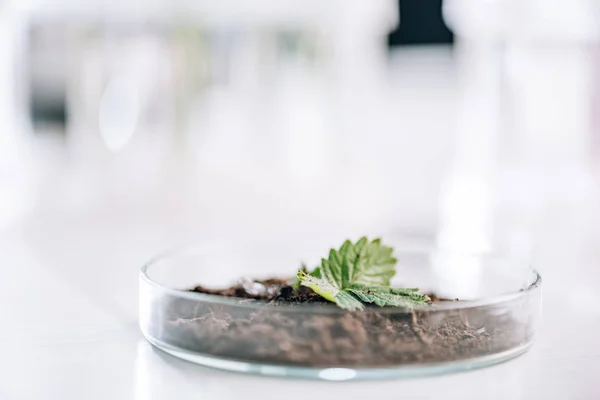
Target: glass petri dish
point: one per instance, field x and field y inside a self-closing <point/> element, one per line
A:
<point x="493" y="320"/>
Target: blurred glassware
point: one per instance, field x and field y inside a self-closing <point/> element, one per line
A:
<point x="195" y="70"/>
<point x="271" y="100"/>
<point x="16" y="175"/>
<point x="527" y="116"/>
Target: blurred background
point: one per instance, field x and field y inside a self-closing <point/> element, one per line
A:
<point x="129" y="127"/>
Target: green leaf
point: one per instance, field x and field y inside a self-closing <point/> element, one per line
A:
<point x="377" y="265"/>
<point x="359" y="272"/>
<point x="316" y="272"/>
<point x="330" y="292"/>
<point x="366" y="263"/>
<point x="387" y="296"/>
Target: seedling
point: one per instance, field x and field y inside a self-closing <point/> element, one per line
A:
<point x="359" y="273"/>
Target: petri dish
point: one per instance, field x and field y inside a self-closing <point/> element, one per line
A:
<point x="489" y="315"/>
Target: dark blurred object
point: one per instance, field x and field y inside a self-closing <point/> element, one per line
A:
<point x="46" y="60"/>
<point x="48" y="112"/>
<point x="421" y="22"/>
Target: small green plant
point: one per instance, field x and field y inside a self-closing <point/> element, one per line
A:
<point x="359" y="273"/>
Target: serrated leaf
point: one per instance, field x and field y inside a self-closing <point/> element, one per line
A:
<point x="367" y="263"/>
<point x="316" y="273"/>
<point x="329" y="292"/>
<point x="386" y="296"/>
<point x="377" y="265"/>
<point x="360" y="272"/>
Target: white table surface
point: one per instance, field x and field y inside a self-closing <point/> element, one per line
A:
<point x="74" y="232"/>
<point x="69" y="326"/>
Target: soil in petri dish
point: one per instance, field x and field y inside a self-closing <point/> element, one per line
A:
<point x="281" y="332"/>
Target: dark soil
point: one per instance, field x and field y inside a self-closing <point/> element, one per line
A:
<point x="271" y="290"/>
<point x="280" y="332"/>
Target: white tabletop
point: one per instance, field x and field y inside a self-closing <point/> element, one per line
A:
<point x="69" y="326"/>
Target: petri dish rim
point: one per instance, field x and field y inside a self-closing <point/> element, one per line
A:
<point x="535" y="284"/>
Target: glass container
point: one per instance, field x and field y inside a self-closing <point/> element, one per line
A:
<point x="488" y="314"/>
